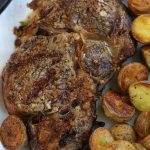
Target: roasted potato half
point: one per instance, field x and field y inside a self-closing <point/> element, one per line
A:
<point x="123" y="132"/>
<point x="122" y="145"/>
<point x="146" y="142"/>
<point x="141" y="28"/>
<point x="131" y="73"/>
<point x="139" y="146"/>
<point x="13" y="133"/>
<point x="139" y="7"/>
<point x="140" y="95"/>
<point x="142" y="124"/>
<point x="146" y="54"/>
<point x="100" y="139"/>
<point x="116" y="108"/>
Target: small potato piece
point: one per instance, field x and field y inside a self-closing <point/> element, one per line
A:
<point x="140" y="95"/>
<point x="122" y="145"/>
<point x="100" y="139"/>
<point x="123" y="132"/>
<point x="131" y="73"/>
<point x="141" y="28"/>
<point x="139" y="146"/>
<point x="142" y="124"/>
<point x="146" y="142"/>
<point x="146" y="54"/>
<point x="116" y="108"/>
<point x="13" y="133"/>
<point x="139" y="7"/>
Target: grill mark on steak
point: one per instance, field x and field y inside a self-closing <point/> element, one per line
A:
<point x="39" y="85"/>
<point x="32" y="60"/>
<point x="68" y="134"/>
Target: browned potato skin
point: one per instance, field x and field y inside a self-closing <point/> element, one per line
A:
<point x="123" y="132"/>
<point x="116" y="108"/>
<point x="146" y="54"/>
<point x="139" y="93"/>
<point x="142" y="124"/>
<point x="131" y="73"/>
<point x="100" y="139"/>
<point x="122" y="145"/>
<point x="140" y="28"/>
<point x="13" y="133"/>
<point x="139" y="146"/>
<point x="146" y="142"/>
<point x="139" y="7"/>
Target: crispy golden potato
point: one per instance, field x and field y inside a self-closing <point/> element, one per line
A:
<point x="123" y="132"/>
<point x="13" y="133"/>
<point x="146" y="142"/>
<point x="142" y="124"/>
<point x="122" y="145"/>
<point x="140" y="95"/>
<point x="141" y="28"/>
<point x="139" y="146"/>
<point x="146" y="54"/>
<point x="139" y="7"/>
<point x="100" y="139"/>
<point x="116" y="108"/>
<point x="131" y="73"/>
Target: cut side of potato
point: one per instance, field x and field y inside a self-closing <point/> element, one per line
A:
<point x="140" y="95"/>
<point x="131" y="73"/>
<point x="139" y="7"/>
<point x="142" y="124"/>
<point x="116" y="108"/>
<point x="123" y="132"/>
<point x="141" y="28"/>
<point x="13" y="133"/>
<point x="100" y="139"/>
<point x="146" y="142"/>
<point x="146" y="54"/>
<point x="122" y="145"/>
<point x="139" y="146"/>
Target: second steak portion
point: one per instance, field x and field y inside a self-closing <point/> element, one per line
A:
<point x="105" y="21"/>
<point x="105" y="18"/>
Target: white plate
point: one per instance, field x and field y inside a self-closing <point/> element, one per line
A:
<point x="11" y="17"/>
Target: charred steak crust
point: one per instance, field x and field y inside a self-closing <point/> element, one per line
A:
<point x="62" y="49"/>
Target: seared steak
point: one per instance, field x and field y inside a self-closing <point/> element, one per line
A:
<point x="96" y="20"/>
<point x="67" y="129"/>
<point x="63" y="49"/>
<point x="43" y="76"/>
<point x="40" y="75"/>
